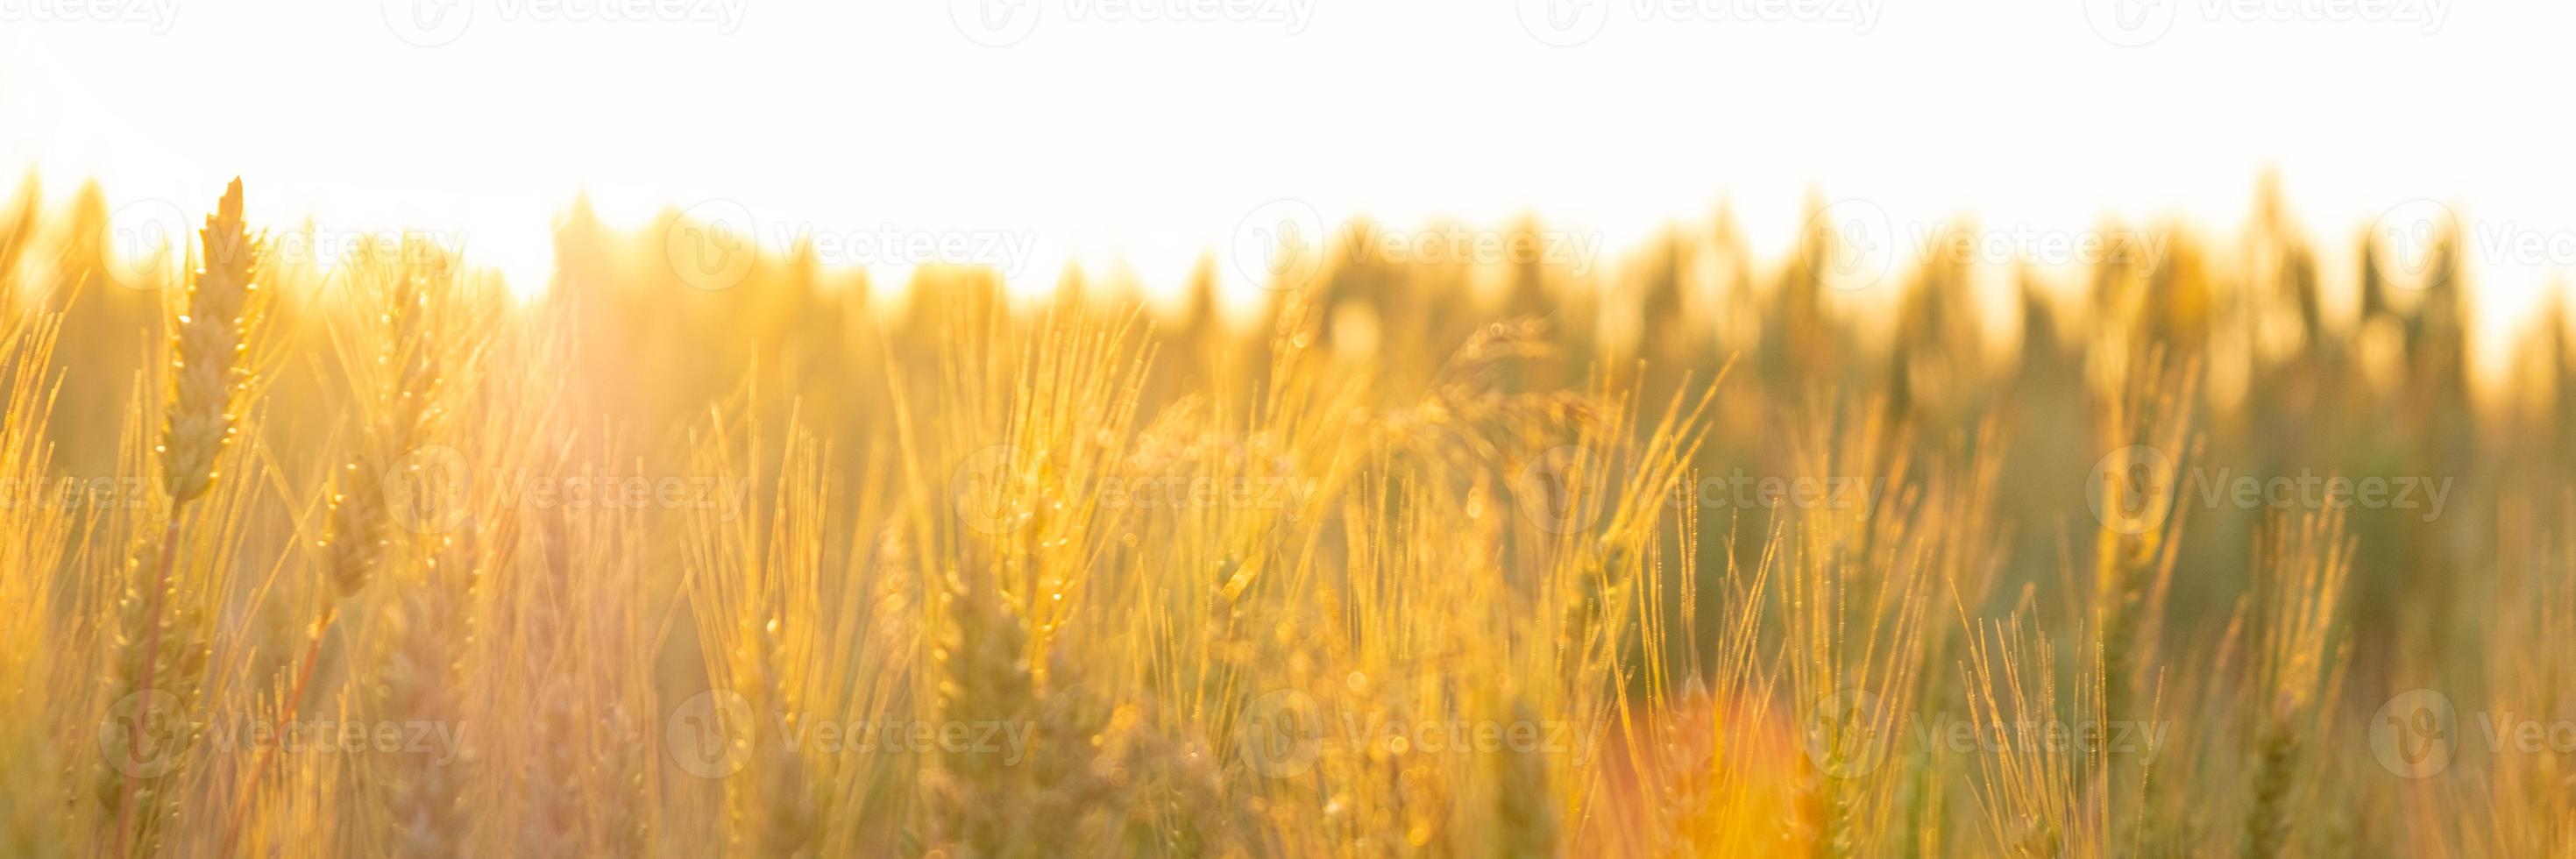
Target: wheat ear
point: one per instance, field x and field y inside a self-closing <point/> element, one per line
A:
<point x="2309" y="562"/>
<point x="208" y="373"/>
<point x="982" y="673"/>
<point x="207" y="369"/>
<point x="401" y="389"/>
<point x="406" y="395"/>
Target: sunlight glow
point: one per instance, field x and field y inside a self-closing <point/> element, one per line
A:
<point x="1132" y="137"/>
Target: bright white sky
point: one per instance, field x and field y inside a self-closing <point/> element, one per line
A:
<point x="1105" y="136"/>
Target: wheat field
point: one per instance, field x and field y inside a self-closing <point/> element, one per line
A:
<point x="1695" y="555"/>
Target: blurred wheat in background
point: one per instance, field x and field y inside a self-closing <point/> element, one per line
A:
<point x="1691" y="555"/>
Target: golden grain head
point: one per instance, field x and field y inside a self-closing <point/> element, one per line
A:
<point x="208" y="352"/>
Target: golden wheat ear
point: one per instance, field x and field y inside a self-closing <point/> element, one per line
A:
<point x="206" y="366"/>
<point x="160" y="613"/>
<point x="399" y="390"/>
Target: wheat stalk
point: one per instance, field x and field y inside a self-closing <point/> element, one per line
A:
<point x="2308" y="562"/>
<point x="32" y="540"/>
<point x="425" y="798"/>
<point x="208" y="371"/>
<point x="398" y="387"/>
<point x="1525" y="807"/>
